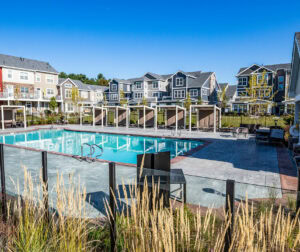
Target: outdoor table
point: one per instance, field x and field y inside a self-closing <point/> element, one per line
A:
<point x="175" y="176"/>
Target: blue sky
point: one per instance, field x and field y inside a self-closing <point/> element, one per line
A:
<point x="128" y="38"/>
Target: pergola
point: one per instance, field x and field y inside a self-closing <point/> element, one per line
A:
<point x="208" y="116"/>
<point x="100" y="115"/>
<point x="121" y="114"/>
<point x="7" y="111"/>
<point x="174" y="115"/>
<point x="147" y="116"/>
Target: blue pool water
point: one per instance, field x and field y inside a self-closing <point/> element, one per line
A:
<point x="117" y="148"/>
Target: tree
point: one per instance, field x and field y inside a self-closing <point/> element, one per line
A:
<point x="75" y="96"/>
<point x="144" y="101"/>
<point x="100" y="80"/>
<point x="258" y="91"/>
<point x="199" y="102"/>
<point x="53" y="104"/>
<point x="104" y="99"/>
<point x="223" y="99"/>
<point x="187" y="102"/>
<point x="123" y="100"/>
<point x="63" y="75"/>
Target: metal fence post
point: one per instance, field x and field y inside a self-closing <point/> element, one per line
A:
<point x="112" y="217"/>
<point x="298" y="193"/>
<point x="3" y="186"/>
<point x="45" y="183"/>
<point x="229" y="207"/>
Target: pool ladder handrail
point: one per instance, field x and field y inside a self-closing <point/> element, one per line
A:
<point x="89" y="157"/>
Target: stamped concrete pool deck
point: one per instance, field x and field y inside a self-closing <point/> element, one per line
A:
<point x="254" y="167"/>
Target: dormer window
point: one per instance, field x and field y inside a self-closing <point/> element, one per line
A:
<point x="179" y="82"/>
<point x="114" y="87"/>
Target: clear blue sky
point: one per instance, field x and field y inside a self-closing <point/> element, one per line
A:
<point x="128" y="38"/>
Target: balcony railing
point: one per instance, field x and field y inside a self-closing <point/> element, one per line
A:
<point x="29" y="96"/>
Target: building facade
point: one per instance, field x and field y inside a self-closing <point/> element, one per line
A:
<point x="272" y="95"/>
<point x="165" y="89"/>
<point x="33" y="83"/>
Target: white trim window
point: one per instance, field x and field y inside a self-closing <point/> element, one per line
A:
<point x="38" y="77"/>
<point x="68" y="85"/>
<point x="243" y="81"/>
<point x="259" y="79"/>
<point x="114" y="87"/>
<point x="155" y="84"/>
<point x="280" y="83"/>
<point x="138" y="95"/>
<point x="194" y="92"/>
<point x="204" y="91"/>
<point x="179" y="82"/>
<point x="68" y="93"/>
<point x="156" y="94"/>
<point x="179" y="93"/>
<point x="138" y="85"/>
<point x="114" y="97"/>
<point x="9" y="74"/>
<point x="50" y="79"/>
<point x="24" y="90"/>
<point x="23" y="76"/>
<point x="50" y="92"/>
<point x="69" y="107"/>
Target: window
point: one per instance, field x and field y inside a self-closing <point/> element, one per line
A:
<point x="9" y="74"/>
<point x="25" y="90"/>
<point x="68" y="85"/>
<point x="114" y="97"/>
<point x="280" y="83"/>
<point x="138" y="85"/>
<point x="243" y="81"/>
<point x="138" y="95"/>
<point x="241" y="93"/>
<point x="179" y="81"/>
<point x="50" y="92"/>
<point x="260" y="79"/>
<point x="155" y="94"/>
<point x="68" y="93"/>
<point x="194" y="92"/>
<point x="70" y="107"/>
<point x="49" y="79"/>
<point x="204" y="91"/>
<point x="37" y="78"/>
<point x="23" y="76"/>
<point x="114" y="87"/>
<point x="155" y="84"/>
<point x="179" y="93"/>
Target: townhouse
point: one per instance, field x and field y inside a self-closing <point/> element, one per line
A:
<point x="165" y="89"/>
<point x="33" y="83"/>
<point x="277" y="79"/>
<point x="230" y="96"/>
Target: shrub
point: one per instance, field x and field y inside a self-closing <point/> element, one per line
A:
<point x="47" y="112"/>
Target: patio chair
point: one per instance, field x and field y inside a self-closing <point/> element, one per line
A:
<point x="276" y="135"/>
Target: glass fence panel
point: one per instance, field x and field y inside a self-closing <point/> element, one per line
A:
<point x="16" y="162"/>
<point x="69" y="174"/>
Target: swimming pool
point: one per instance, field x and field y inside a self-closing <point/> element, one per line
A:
<point x="117" y="148"/>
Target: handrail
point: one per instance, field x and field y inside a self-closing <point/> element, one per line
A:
<point x="89" y="157"/>
<point x="99" y="147"/>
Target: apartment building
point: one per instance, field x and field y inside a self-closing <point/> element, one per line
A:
<point x="87" y="95"/>
<point x="277" y="79"/>
<point x="166" y="89"/>
<point x="27" y="82"/>
<point x="33" y="83"/>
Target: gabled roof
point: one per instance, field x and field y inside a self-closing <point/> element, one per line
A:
<point x="24" y="63"/>
<point x="230" y="91"/>
<point x="121" y="80"/>
<point x="156" y="76"/>
<point x="223" y="85"/>
<point x="82" y="86"/>
<point x="200" y="80"/>
<point x="253" y="68"/>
